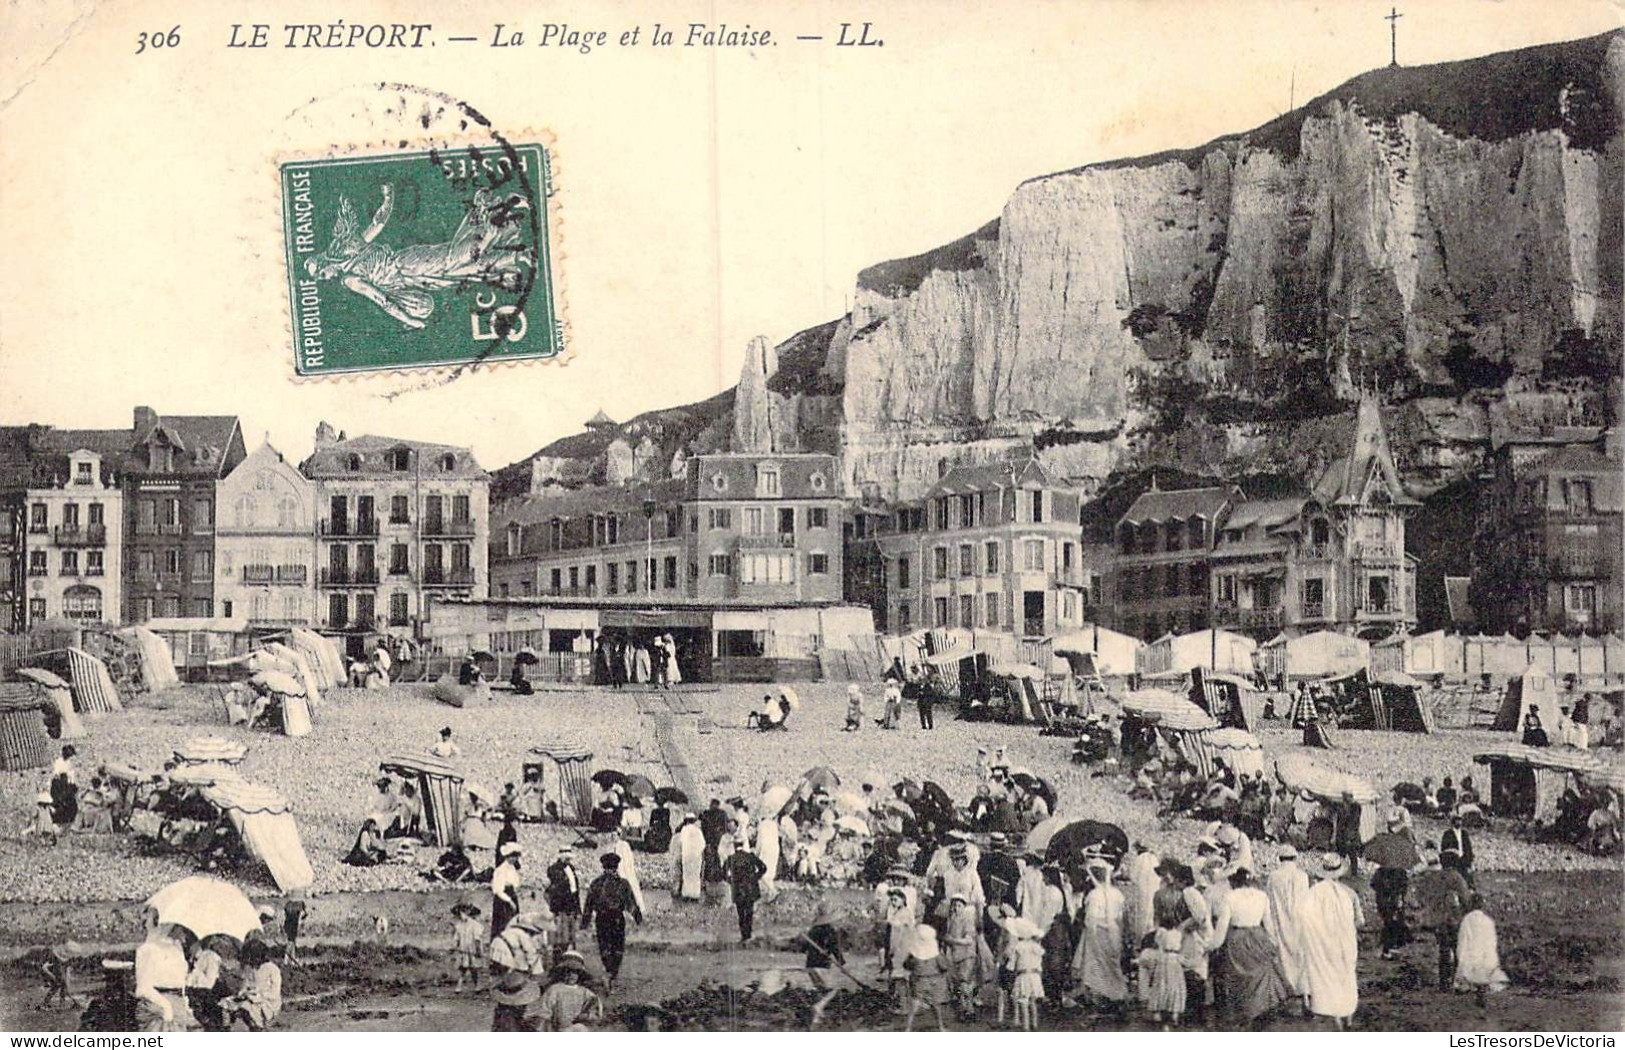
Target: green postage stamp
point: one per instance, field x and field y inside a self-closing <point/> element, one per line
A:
<point x="418" y="260"/>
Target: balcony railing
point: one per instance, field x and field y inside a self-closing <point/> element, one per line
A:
<point x="81" y="535"/>
<point x="357" y="577"/>
<point x="1574" y="564"/>
<point x="292" y="573"/>
<point x="590" y="591"/>
<point x="171" y="528"/>
<point x="401" y="569"/>
<point x="1317" y="552"/>
<point x="1314" y="610"/>
<point x="759" y="541"/>
<point x="38" y="570"/>
<point x="438" y="577"/>
<point x="1227" y="614"/>
<point x="448" y="527"/>
<point x="95" y="570"/>
<point x="259" y="573"/>
<point x="1370" y="551"/>
<point x="38" y="528"/>
<point x="401" y="620"/>
<point x="347" y="527"/>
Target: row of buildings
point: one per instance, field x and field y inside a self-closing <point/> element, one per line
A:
<point x="174" y="518"/>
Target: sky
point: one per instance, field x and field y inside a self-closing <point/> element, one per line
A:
<point x="705" y="196"/>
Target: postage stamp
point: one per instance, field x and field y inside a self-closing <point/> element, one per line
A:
<point x="426" y="259"/>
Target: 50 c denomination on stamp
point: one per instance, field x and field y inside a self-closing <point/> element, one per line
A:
<point x="438" y="258"/>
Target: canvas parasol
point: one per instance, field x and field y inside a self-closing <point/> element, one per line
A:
<point x="202" y="749"/>
<point x="1085" y="836"/>
<point x="639" y="786"/>
<point x="1391" y="849"/>
<point x="851" y="802"/>
<point x="819" y="777"/>
<point x="897" y="806"/>
<point x="855" y="825"/>
<point x="1300" y="772"/>
<point x="206" y="906"/>
<point x="937" y="796"/>
<point x="480" y="793"/>
<point x="1039" y="837"/>
<point x="773" y="801"/>
<point x="1167" y="710"/>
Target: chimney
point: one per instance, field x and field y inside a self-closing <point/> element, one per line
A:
<point x="325" y="435"/>
<point x="145" y="420"/>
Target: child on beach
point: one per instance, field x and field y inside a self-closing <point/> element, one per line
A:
<point x="1025" y="958"/>
<point x="468" y="944"/>
<point x="1163" y="972"/>
<point x="1478" y="958"/>
<point x="928" y="971"/>
<point x="854" y="709"/>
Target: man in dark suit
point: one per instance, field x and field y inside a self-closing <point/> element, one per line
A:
<point x="609" y="899"/>
<point x="1456" y="849"/>
<point x="745" y="870"/>
<point x="564" y="899"/>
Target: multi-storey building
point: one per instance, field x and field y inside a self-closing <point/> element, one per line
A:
<point x="994" y="547"/>
<point x="1333" y="560"/>
<point x="761" y="529"/>
<point x="265" y="542"/>
<point x="74" y="535"/>
<point x="170" y="473"/>
<point x="1164" y="554"/>
<point x="397" y="522"/>
<point x="1548" y="546"/>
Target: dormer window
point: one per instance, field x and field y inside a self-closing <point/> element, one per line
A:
<point x="400" y="459"/>
<point x="353" y="462"/>
<point x="448" y="462"/>
<point x="767" y="481"/>
<point x="83" y="472"/>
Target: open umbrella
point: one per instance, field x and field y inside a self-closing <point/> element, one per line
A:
<point x="853" y="824"/>
<point x="897" y="806"/>
<point x="211" y="749"/>
<point x="906" y="789"/>
<point x="851" y="802"/>
<point x="773" y="801"/>
<point x="639" y="786"/>
<point x="819" y="777"/>
<point x="277" y="682"/>
<point x="937" y="796"/>
<point x="480" y="793"/>
<point x="206" y="906"/>
<point x="608" y="778"/>
<point x="1081" y="836"/>
<point x="1038" y="838"/>
<point x="1391" y="849"/>
<point x="670" y="797"/>
<point x="527" y="656"/>
<point x="790" y="697"/>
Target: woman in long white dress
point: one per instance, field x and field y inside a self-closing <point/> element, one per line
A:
<point x="1100" y="950"/>
<point x="690" y="850"/>
<point x="1329" y="919"/>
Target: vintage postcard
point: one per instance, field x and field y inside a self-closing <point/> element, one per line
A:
<point x="1100" y="517"/>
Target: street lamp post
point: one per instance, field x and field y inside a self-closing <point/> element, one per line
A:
<point x="649" y="543"/>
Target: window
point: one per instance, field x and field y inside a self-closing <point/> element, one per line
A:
<point x="967" y="610"/>
<point x="991" y="554"/>
<point x="1069" y="605"/>
<point x="904" y="618"/>
<point x="1033" y="554"/>
<point x="1227" y="588"/>
<point x="967" y="510"/>
<point x="818" y="517"/>
<point x="433" y="514"/>
<point x="939" y="563"/>
<point x="903" y="581"/>
<point x="145" y="563"/>
<point x="70" y="564"/>
<point x="448" y="462"/>
<point x="93" y="563"/>
<point x="364" y="607"/>
<point x="674" y="523"/>
<point x="992" y="601"/>
<point x="940" y="608"/>
<point x="1038" y="507"/>
<point x="1579" y="497"/>
<point x="693" y="571"/>
<point x="459" y="510"/>
<point x="1580" y="602"/>
<point x="631" y="577"/>
<point x="1377" y="592"/>
<point x="753" y="521"/>
<point x="818" y="564"/>
<point x="146" y="515"/>
<point x="82" y="474"/>
<point x="36" y="563"/>
<point x="767" y="567"/>
<point x="202" y="565"/>
<point x="669" y="569"/>
<point x="202" y="607"/>
<point x="225" y="609"/>
<point x="911" y="519"/>
<point x="146" y="609"/>
<point x="203" y="514"/>
<point x="36" y="609"/>
<point x="399" y="564"/>
<point x="787" y="521"/>
<point x="721" y="518"/>
<point x="718" y="565"/>
<point x="575" y="578"/>
<point x="939" y="513"/>
<point x="172" y="562"/>
<point x="37" y="520"/>
<point x="398" y="512"/>
<point x="556" y="581"/>
<point x="70" y="516"/>
<point x="1314" y="598"/>
<point x="461" y="557"/>
<point x="767" y="481"/>
<point x="398" y="616"/>
<point x="172" y="512"/>
<point x="97" y="514"/>
<point x="612" y="578"/>
<point x="967" y="560"/>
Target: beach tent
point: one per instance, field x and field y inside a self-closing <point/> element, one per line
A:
<point x="326" y="662"/>
<point x="264" y="821"/>
<point x="301" y="669"/>
<point x="1526" y="782"/>
<point x="92" y="687"/>
<point x="447" y="691"/>
<point x="157" y="661"/>
<point x="1214" y="649"/>
<point x="59" y="697"/>
<point x="1229" y="698"/>
<point x="1402" y="698"/>
<point x="1240" y="750"/>
<point x="441" y="789"/>
<point x="1304" y="771"/>
<point x="572" y="765"/>
<point x="1319" y="654"/>
<point x="1535" y="686"/>
<point x="1182" y="724"/>
<point x="24" y="744"/>
<point x="1113" y="651"/>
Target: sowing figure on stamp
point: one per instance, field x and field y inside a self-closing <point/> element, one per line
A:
<point x="486" y="249"/>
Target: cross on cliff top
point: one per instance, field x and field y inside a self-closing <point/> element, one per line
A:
<point x="1392" y="18"/>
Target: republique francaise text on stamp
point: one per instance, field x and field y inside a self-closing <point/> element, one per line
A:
<point x="423" y="259"/>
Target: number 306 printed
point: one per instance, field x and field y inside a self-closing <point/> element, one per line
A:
<point x="158" y="40"/>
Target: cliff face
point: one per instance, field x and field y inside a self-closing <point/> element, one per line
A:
<point x="1448" y="235"/>
<point x="1381" y="236"/>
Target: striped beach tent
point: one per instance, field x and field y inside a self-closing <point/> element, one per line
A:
<point x="440" y="786"/>
<point x="307" y="643"/>
<point x="93" y="689"/>
<point x="24" y="744"/>
<point x="264" y="821"/>
<point x="334" y="670"/>
<point x="201" y="750"/>
<point x="573" y="768"/>
<point x="303" y="670"/>
<point x="157" y="659"/>
<point x="60" y="698"/>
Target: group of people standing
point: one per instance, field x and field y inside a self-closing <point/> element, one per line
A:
<point x="619" y="662"/>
